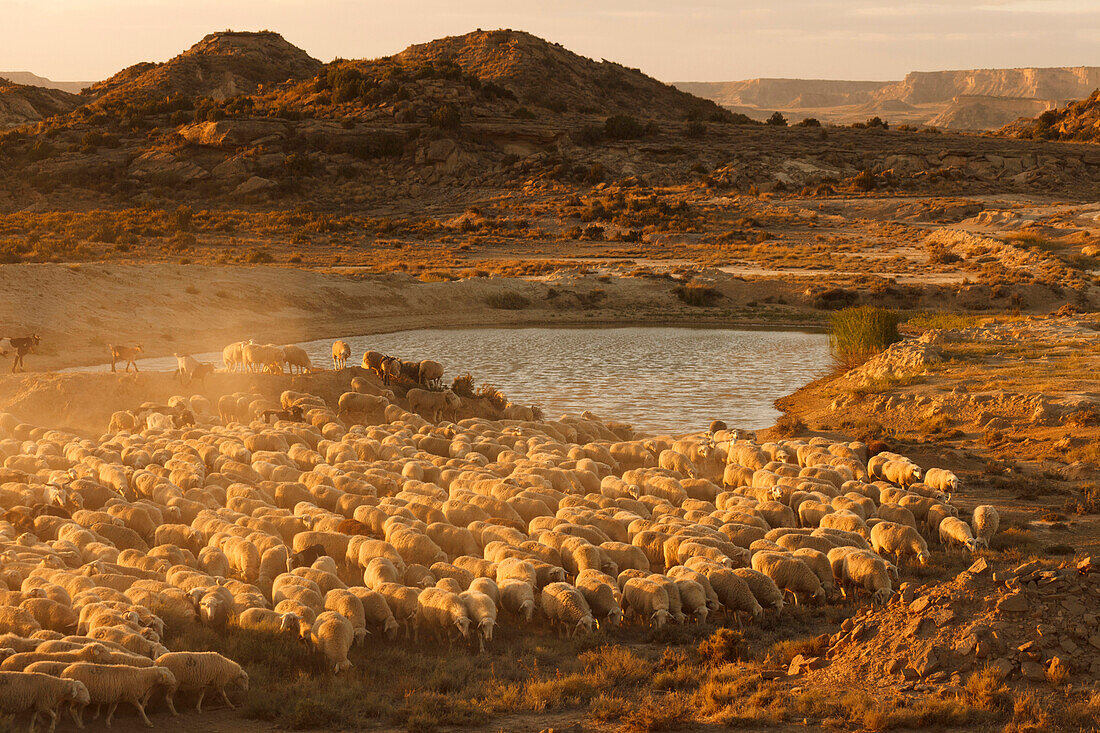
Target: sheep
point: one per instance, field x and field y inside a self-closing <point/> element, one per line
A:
<point x="518" y="598"/>
<point x="39" y="693"/>
<point x="19" y="621"/>
<point x="941" y="479"/>
<point x="599" y="593"/>
<point x="566" y="609"/>
<point x="439" y="611"/>
<point x="762" y="587"/>
<point x="693" y="599"/>
<point x="985" y="522"/>
<point x="348" y="605"/>
<point x="790" y="574"/>
<point x="732" y="590"/>
<point x="429" y="373"/>
<point x="403" y="603"/>
<point x="296" y="356"/>
<point x="901" y="472"/>
<point x="900" y="541"/>
<point x="341" y="352"/>
<point x="648" y="600"/>
<point x="332" y="635"/>
<point x="863" y="570"/>
<point x="202" y="671"/>
<point x="376" y="612"/>
<point x="482" y="612"/>
<point x="110" y="684"/>
<point x="954" y="532"/>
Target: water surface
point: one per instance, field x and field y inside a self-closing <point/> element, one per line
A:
<point x="658" y="378"/>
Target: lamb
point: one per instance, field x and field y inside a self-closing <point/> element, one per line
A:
<point x="900" y="541"/>
<point x="482" y="612"/>
<point x="332" y="635"/>
<point x="39" y="693"/>
<point x="941" y="479"/>
<point x="566" y="609"/>
<point x="201" y="671"/>
<point x="954" y="532"/>
<point x="127" y="354"/>
<point x="985" y="522"/>
<point x="110" y="684"/>
<point x="790" y="574"/>
<point x="341" y="352"/>
<point x="439" y="610"/>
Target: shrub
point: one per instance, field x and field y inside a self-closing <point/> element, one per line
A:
<point x="258" y="256"/>
<point x="809" y="122"/>
<point x="789" y="426"/>
<point x="463" y="386"/>
<point x="700" y="296"/>
<point x="182" y="217"/>
<point x="507" y="301"/>
<point x="445" y="117"/>
<point x="864" y="180"/>
<point x="522" y="113"/>
<point x="859" y="333"/>
<point x="722" y="647"/>
<point x="777" y="120"/>
<point x="695" y="129"/>
<point x="622" y="127"/>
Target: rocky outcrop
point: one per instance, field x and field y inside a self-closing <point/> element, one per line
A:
<point x="1079" y="121"/>
<point x="22" y="104"/>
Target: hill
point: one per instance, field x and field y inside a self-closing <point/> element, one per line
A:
<point x="26" y="78"/>
<point x="1079" y="121"/>
<point x="220" y="66"/>
<point x="974" y="99"/>
<point x="546" y="74"/>
<point x="21" y="104"/>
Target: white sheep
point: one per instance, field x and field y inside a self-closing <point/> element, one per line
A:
<point x="203" y="671"/>
<point x="954" y="532"/>
<point x="985" y="522"/>
<point x="110" y="684"/>
<point x="900" y="541"/>
<point x="942" y="480"/>
<point x="39" y="693"/>
<point x="482" y="612"/>
<point x="332" y="635"/>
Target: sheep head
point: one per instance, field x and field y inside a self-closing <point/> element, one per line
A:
<point x="924" y="558"/>
<point x="660" y="617"/>
<point x="390" y="628"/>
<point x="463" y="625"/>
<point x="485" y="628"/>
<point x="527" y="609"/>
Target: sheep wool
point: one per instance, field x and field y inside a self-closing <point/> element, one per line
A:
<point x="110" y="684"/>
<point x="40" y="693"/>
<point x="566" y="608"/>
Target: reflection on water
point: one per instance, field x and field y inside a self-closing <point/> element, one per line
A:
<point x="660" y="379"/>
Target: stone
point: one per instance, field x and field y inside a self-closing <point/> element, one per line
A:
<point x="1003" y="665"/>
<point x="1094" y="640"/>
<point x="926" y="662"/>
<point x="255" y="185"/>
<point x="1013" y="603"/>
<point x="943" y="616"/>
<point x="1087" y="565"/>
<point x="980" y="566"/>
<point x="1032" y="671"/>
<point x="1027" y="568"/>
<point x="919" y="605"/>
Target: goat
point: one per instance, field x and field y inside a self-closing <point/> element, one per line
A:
<point x="127" y="354"/>
<point x="23" y="345"/>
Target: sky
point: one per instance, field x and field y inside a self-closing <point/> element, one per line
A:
<point x="689" y="40"/>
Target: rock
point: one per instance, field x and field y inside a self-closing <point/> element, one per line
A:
<point x="255" y="185"/>
<point x="980" y="566"/>
<point x="1003" y="665"/>
<point x="1087" y="565"/>
<point x="926" y="662"/>
<point x="1026" y="569"/>
<point x="164" y="167"/>
<point x="1033" y="671"/>
<point x="920" y="604"/>
<point x="1013" y="603"/>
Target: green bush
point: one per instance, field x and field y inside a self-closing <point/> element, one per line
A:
<point x="859" y="333"/>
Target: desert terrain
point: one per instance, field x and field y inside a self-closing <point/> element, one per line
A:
<point x="243" y="190"/>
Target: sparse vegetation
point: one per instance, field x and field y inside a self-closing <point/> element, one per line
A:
<point x="859" y="333"/>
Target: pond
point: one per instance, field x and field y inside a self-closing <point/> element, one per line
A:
<point x="658" y="378"/>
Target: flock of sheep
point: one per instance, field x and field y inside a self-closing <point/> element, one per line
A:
<point x="368" y="523"/>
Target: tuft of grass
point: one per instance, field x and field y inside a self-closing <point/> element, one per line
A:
<point x="861" y="332"/>
<point x="941" y="320"/>
<point x="463" y="386"/>
<point x="789" y="426"/>
<point x="986" y="689"/>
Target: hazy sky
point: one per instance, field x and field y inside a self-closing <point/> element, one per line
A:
<point x="709" y="40"/>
